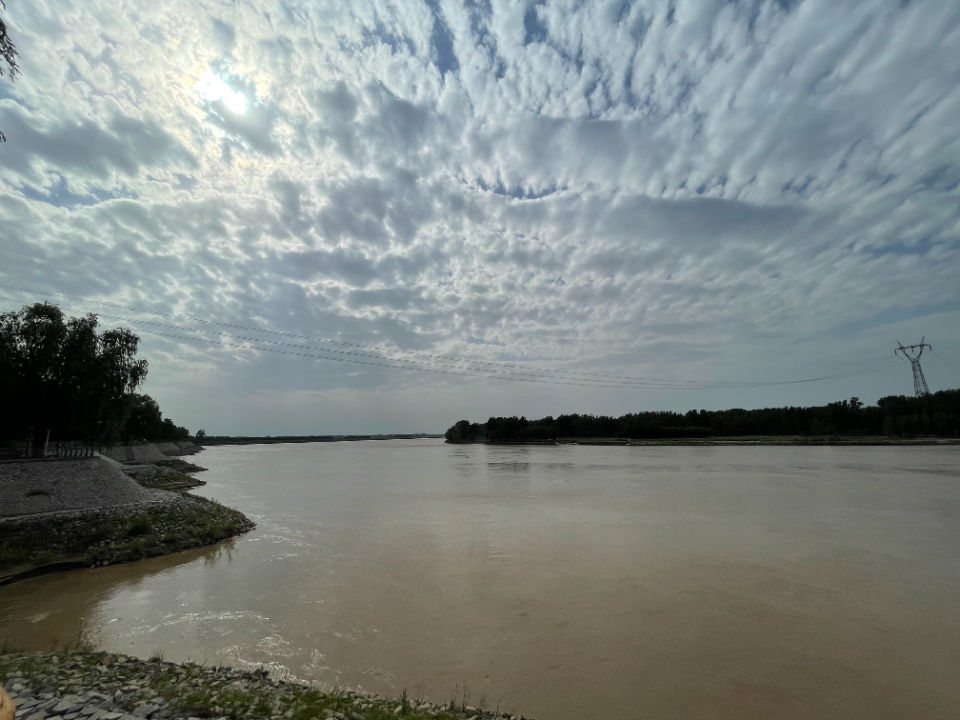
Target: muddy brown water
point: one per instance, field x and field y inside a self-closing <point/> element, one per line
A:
<point x="561" y="582"/>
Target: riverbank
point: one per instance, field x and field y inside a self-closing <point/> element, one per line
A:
<point x="725" y="441"/>
<point x="59" y="514"/>
<point x="97" y="685"/>
<point x="766" y="440"/>
<point x="211" y="440"/>
<point x="167" y="523"/>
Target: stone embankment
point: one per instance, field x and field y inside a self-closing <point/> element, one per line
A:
<point x="145" y="452"/>
<point x="102" y="686"/>
<point x="32" y="487"/>
<point x="57" y="514"/>
<point x="163" y="477"/>
<point x="170" y="523"/>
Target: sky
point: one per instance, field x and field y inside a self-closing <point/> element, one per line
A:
<point x="361" y="217"/>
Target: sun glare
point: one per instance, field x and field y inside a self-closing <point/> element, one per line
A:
<point x="213" y="88"/>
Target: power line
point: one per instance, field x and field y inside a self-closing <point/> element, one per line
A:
<point x="943" y="360"/>
<point x="370" y="359"/>
<point x="491" y="370"/>
<point x="355" y="361"/>
<point x="496" y="366"/>
<point x="358" y="354"/>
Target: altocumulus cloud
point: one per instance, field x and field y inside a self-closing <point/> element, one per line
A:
<point x="738" y="191"/>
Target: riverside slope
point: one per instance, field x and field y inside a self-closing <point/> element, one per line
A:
<point x="100" y="686"/>
<point x="60" y="514"/>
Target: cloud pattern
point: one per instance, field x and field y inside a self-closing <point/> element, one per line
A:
<point x="733" y="190"/>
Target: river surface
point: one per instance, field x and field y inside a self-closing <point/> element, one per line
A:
<point x="561" y="582"/>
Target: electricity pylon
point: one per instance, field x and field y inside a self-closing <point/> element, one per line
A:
<point x="919" y="381"/>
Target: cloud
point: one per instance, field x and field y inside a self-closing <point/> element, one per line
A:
<point x="633" y="188"/>
<point x="123" y="145"/>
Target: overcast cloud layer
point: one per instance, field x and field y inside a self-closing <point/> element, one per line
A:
<point x="692" y="191"/>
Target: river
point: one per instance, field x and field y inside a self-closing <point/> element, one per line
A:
<point x="562" y="582"/>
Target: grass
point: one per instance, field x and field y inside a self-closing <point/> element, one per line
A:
<point x="119" y="536"/>
<point x="191" y="690"/>
<point x="302" y="702"/>
<point x="168" y="481"/>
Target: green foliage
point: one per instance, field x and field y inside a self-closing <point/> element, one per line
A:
<point x="120" y="536"/>
<point x="8" y="51"/>
<point x="465" y="431"/>
<point x="191" y="690"/>
<point x="63" y="376"/>
<point x="8" y="56"/>
<point x="146" y="422"/>
<point x="140" y="526"/>
<point x="934" y="415"/>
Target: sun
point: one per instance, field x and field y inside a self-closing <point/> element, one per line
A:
<point x="213" y="88"/>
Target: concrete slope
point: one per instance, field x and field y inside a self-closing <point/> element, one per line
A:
<point x="146" y="453"/>
<point x="169" y="449"/>
<point x="28" y="487"/>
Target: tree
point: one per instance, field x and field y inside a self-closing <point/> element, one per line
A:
<point x="144" y="421"/>
<point x="64" y="378"/>
<point x="460" y="432"/>
<point x="201" y="434"/>
<point x="937" y="414"/>
<point x="8" y="55"/>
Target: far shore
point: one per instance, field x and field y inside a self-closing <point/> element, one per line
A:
<point x="745" y="440"/>
<point x="720" y="441"/>
<point x="274" y="439"/>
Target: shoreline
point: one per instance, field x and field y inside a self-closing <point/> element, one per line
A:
<point x="216" y="440"/>
<point x="60" y="514"/>
<point x="83" y="684"/>
<point x="30" y="545"/>
<point x="771" y="440"/>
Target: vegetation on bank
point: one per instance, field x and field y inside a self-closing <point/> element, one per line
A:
<point x="117" y="535"/>
<point x="144" y="421"/>
<point x="156" y="477"/>
<point x="936" y="415"/>
<point x="120" y="683"/>
<point x="64" y="380"/>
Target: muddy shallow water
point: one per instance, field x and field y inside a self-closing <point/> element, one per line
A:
<point x="562" y="582"/>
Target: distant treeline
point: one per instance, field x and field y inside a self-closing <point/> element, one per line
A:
<point x="895" y="416"/>
<point x="268" y="439"/>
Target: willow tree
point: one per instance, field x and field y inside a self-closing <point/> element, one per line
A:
<point x="63" y="379"/>
<point x="8" y="55"/>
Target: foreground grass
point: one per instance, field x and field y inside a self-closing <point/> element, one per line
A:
<point x="111" y="536"/>
<point x="192" y="690"/>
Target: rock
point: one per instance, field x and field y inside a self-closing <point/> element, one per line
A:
<point x="97" y="686"/>
<point x="66" y="704"/>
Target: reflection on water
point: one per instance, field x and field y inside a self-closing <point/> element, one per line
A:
<point x="57" y="610"/>
<point x="566" y="582"/>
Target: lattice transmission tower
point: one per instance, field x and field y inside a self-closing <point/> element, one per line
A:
<point x="919" y="381"/>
